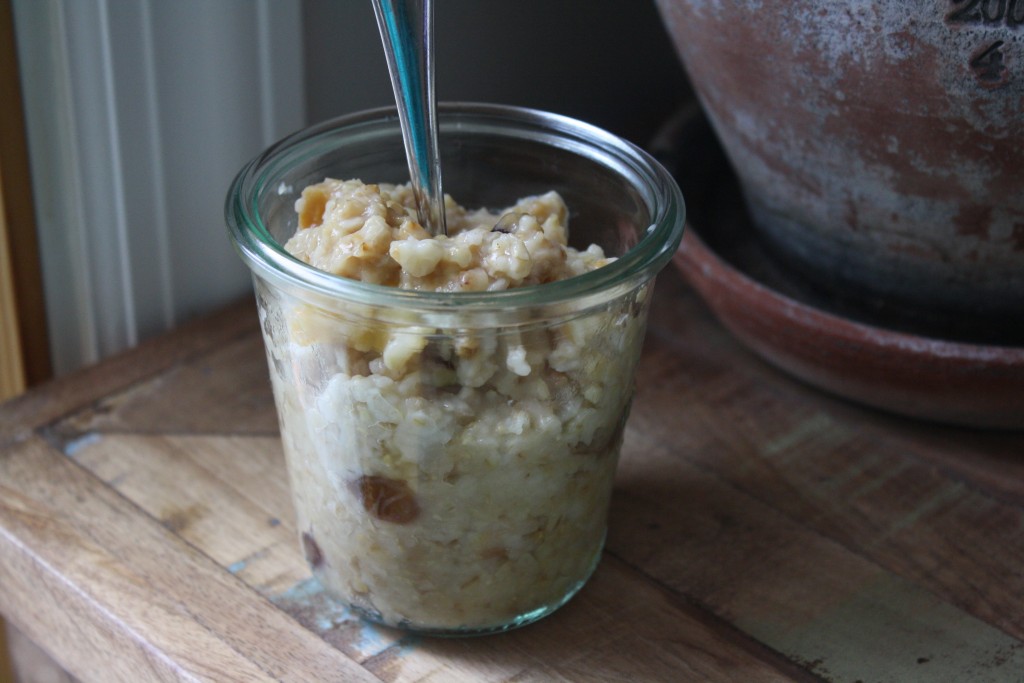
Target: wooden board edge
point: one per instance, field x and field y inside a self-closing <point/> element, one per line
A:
<point x="43" y="405"/>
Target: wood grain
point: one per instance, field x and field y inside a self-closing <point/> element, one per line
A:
<point x="227" y="390"/>
<point x="760" y="531"/>
<point x="227" y="497"/>
<point x="79" y="390"/>
<point x="844" y="522"/>
<point x="167" y="610"/>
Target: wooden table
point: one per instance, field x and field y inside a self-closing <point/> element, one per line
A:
<point x="760" y="531"/>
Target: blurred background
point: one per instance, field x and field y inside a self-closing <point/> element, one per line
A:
<point x="138" y="113"/>
<point x="611" y="65"/>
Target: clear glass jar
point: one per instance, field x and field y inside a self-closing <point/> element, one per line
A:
<point x="469" y="494"/>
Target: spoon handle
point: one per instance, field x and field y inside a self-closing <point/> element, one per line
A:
<point x="406" y="27"/>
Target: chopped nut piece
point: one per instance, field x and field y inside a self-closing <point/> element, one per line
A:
<point x="311" y="206"/>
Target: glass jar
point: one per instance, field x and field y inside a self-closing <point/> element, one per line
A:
<point x="467" y="493"/>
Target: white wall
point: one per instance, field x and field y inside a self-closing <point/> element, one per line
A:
<point x="139" y="114"/>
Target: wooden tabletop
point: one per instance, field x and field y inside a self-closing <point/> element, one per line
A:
<point x="760" y="531"/>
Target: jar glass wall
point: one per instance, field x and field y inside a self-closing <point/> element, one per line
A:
<point x="451" y="455"/>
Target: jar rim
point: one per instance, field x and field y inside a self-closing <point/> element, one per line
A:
<point x="266" y="256"/>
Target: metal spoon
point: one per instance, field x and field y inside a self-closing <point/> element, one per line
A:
<point x="406" y="27"/>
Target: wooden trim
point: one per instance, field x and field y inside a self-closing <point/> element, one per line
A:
<point x="12" y="371"/>
<point x="6" y="670"/>
<point x="24" y="342"/>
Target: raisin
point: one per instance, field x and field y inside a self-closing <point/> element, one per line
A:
<point x="508" y="222"/>
<point x="389" y="500"/>
<point x="314" y="556"/>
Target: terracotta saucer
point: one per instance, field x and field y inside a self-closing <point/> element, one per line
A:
<point x="827" y="343"/>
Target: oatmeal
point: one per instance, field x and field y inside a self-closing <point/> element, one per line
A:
<point x="370" y="233"/>
<point x="449" y="478"/>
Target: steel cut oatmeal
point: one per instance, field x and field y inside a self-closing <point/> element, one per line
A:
<point x="449" y="478"/>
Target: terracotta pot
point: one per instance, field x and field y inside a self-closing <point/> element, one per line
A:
<point x="879" y="144"/>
